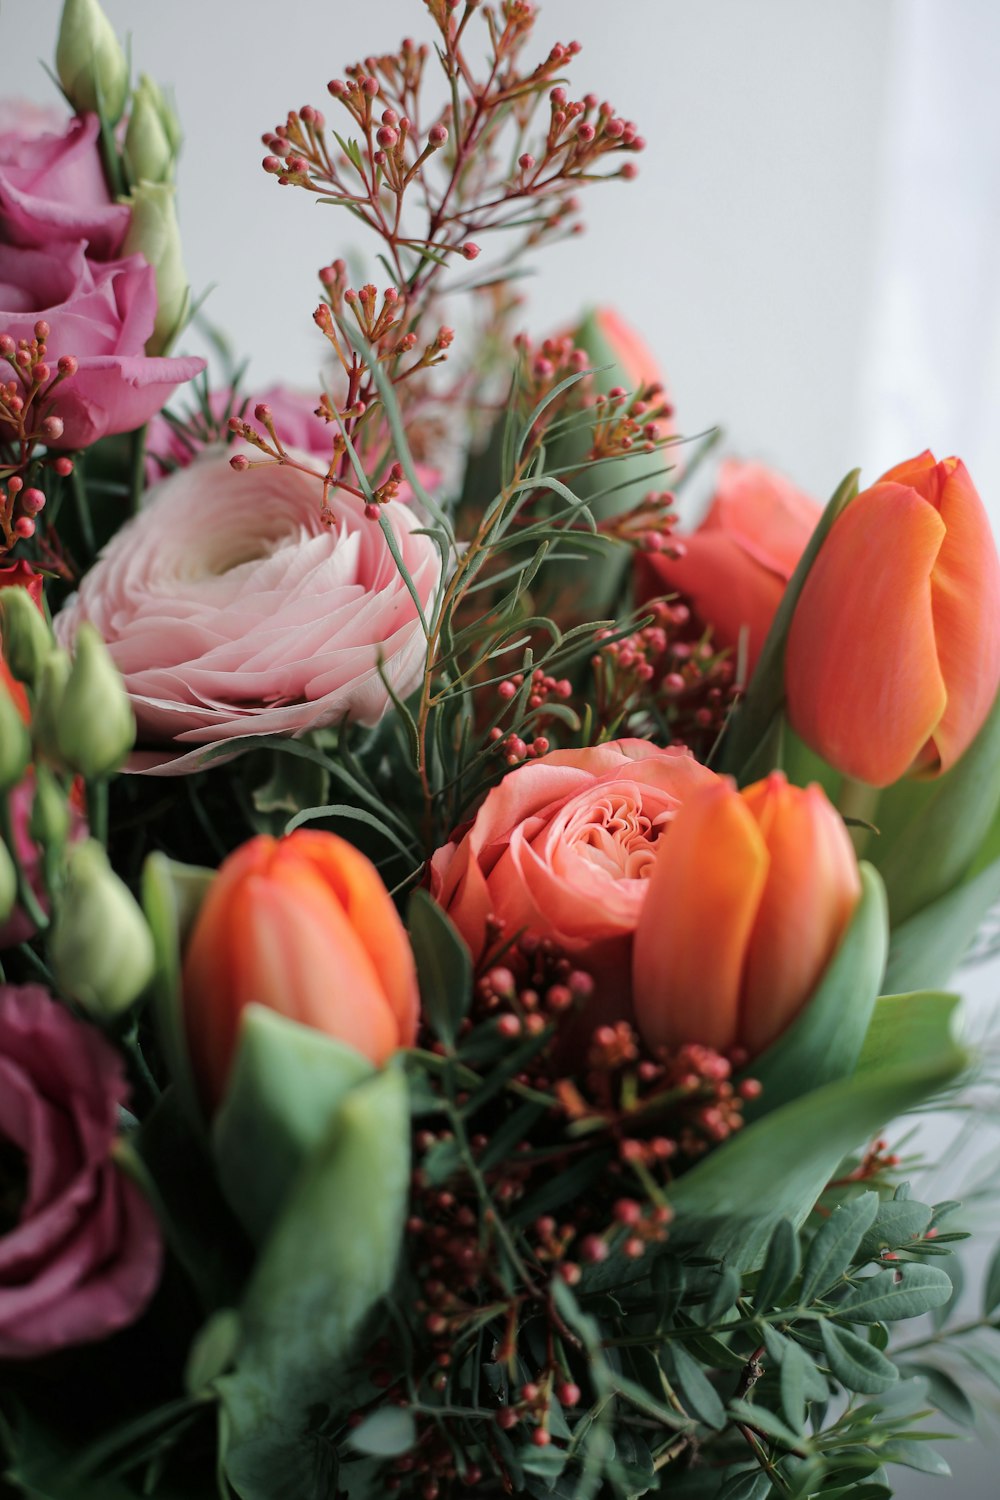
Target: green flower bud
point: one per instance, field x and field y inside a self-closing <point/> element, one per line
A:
<point x="15" y="742"/>
<point x="148" y="151"/>
<point x="101" y="948"/>
<point x="50" y="819"/>
<point x="155" y="235"/>
<point x="90" y="62"/>
<point x="27" y="639"/>
<point x="95" y="727"/>
<point x="49" y="689"/>
<point x="8" y="883"/>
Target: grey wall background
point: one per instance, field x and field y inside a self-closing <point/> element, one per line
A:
<point x="811" y="245"/>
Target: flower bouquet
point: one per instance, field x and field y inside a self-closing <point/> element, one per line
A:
<point x="465" y="944"/>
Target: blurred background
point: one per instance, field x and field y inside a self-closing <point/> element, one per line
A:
<point x="812" y="246"/>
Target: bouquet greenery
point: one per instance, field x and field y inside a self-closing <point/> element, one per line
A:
<point x="464" y="943"/>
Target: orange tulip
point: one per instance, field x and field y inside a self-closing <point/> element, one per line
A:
<point x="736" y="565"/>
<point x="750" y="895"/>
<point x="305" y="926"/>
<point x="893" y="658"/>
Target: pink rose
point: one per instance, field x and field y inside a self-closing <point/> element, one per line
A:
<point x="563" y="849"/>
<point x="102" y="315"/>
<point x="84" y="1257"/>
<point x="736" y="566"/>
<point x="231" y="609"/>
<point x="52" y="187"/>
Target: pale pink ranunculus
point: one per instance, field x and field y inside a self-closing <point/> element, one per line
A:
<point x="102" y="314"/>
<point x="84" y="1257"/>
<point x="563" y="849"/>
<point x="295" y="422"/>
<point x="231" y="609"/>
<point x="52" y="187"/>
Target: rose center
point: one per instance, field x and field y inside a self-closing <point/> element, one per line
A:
<point x="13" y="1185"/>
<point x="618" y="836"/>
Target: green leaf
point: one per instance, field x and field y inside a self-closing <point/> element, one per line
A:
<point x="800" y="1382"/>
<point x="825" y="1041"/>
<point x="763" y="701"/>
<point x="928" y="948"/>
<point x="171" y="897"/>
<point x="906" y="1291"/>
<point x="983" y="1360"/>
<point x="444" y="967"/>
<point x="855" y="1363"/>
<point x="991" y="1285"/>
<point x="729" y="1204"/>
<point x="752" y="1484"/>
<point x="931" y="831"/>
<point x="327" y="1262"/>
<point x="388" y="1432"/>
<point x="756" y="1415"/>
<point x="898" y="1221"/>
<point x="835" y="1245"/>
<point x="669" y="1281"/>
<point x="724" y="1295"/>
<point x="916" y="1456"/>
<point x="943" y="1391"/>
<point x="697" y="1393"/>
<point x="781" y="1266"/>
<point x="286" y="1085"/>
<point x="955" y="1272"/>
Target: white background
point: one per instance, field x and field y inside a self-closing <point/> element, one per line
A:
<point x="811" y="246"/>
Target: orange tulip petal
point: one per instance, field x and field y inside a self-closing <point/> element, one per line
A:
<point x="726" y="587"/>
<point x="370" y="914"/>
<point x="765" y="513"/>
<point x="812" y="889"/>
<point x="691" y="941"/>
<point x="862" y="677"/>
<point x="965" y="599"/>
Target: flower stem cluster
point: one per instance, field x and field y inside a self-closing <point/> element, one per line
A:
<point x="658" y="673"/>
<point x="27" y="422"/>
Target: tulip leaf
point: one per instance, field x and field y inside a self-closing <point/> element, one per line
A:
<point x="444" y="966"/>
<point x="755" y="717"/>
<point x="929" y="947"/>
<point x="172" y="894"/>
<point x="931" y="831"/>
<point x="825" y="1041"/>
<point x="327" y="1262"/>
<point x="730" y="1203"/>
<point x="286" y="1086"/>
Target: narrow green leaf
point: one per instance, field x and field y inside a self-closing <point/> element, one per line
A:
<point x="444" y="966"/>
<point x="898" y="1221"/>
<point x="781" y="1266"/>
<point x="835" y="1245"/>
<point x="906" y="1291"/>
<point x="752" y="1484"/>
<point x="698" y="1395"/>
<point x="855" y="1363"/>
<point x="944" y="1391"/>
<point x="991" y="1285"/>
<point x="916" y="1456"/>
<point x="756" y="1415"/>
<point x="345" y="811"/>
<point x="801" y="1382"/>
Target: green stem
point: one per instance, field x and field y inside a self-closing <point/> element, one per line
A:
<point x="97" y="810"/>
<point x="82" y="509"/>
<point x="25" y="893"/>
<point x="137" y="467"/>
<point x="858" y="801"/>
<point x="943" y="1335"/>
